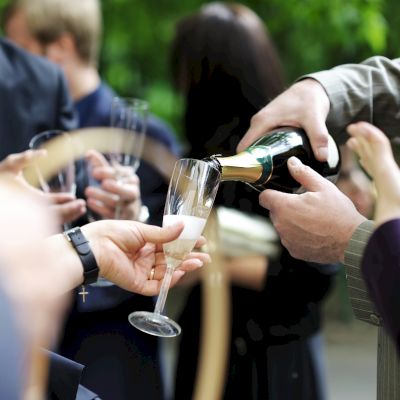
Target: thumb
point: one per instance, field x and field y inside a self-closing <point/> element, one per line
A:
<point x="155" y="234"/>
<point x="17" y="162"/>
<point x="311" y="180"/>
<point x="96" y="159"/>
<point x="318" y="135"/>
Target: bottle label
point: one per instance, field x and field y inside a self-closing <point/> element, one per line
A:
<point x="263" y="155"/>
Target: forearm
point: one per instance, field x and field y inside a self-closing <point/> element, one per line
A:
<point x="368" y="91"/>
<point x="69" y="266"/>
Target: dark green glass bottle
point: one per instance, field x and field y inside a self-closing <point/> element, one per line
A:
<point x="263" y="165"/>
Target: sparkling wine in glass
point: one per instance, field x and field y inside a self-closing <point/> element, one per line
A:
<point x="190" y="198"/>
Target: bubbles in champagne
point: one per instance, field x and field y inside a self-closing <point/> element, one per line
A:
<point x="193" y="225"/>
<point x="177" y="250"/>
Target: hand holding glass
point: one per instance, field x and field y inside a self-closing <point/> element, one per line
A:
<point x="129" y="118"/>
<point x="64" y="180"/>
<point x="190" y="198"/>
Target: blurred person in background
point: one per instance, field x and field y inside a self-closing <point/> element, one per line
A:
<point x="98" y="333"/>
<point x="34" y="98"/>
<point x="225" y="65"/>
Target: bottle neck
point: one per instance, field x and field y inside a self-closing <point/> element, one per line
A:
<point x="242" y="167"/>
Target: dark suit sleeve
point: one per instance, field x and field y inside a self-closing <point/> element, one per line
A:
<point x="381" y="271"/>
<point x="64" y="378"/>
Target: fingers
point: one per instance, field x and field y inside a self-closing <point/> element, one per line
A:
<point x="70" y="211"/>
<point x="318" y="135"/>
<point x="157" y="235"/>
<point x="102" y="210"/>
<point x="96" y="159"/>
<point x="95" y="194"/>
<point x="200" y="242"/>
<point x="60" y="198"/>
<point x="369" y="132"/>
<point x="259" y="126"/>
<point x="311" y="180"/>
<point x="17" y="162"/>
<point x="127" y="190"/>
<point x="191" y="264"/>
<point x="305" y="104"/>
<point x="270" y="199"/>
<point x="306" y="176"/>
<point x="152" y="287"/>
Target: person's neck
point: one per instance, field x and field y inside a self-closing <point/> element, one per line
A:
<point x="82" y="81"/>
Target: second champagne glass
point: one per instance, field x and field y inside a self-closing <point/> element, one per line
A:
<point x="129" y="120"/>
<point x="64" y="180"/>
<point x="190" y="198"/>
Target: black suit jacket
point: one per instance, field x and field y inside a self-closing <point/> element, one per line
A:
<point x="33" y="98"/>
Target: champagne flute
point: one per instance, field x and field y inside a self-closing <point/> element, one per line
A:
<point x="64" y="180"/>
<point x="129" y="118"/>
<point x="129" y="122"/>
<point x="190" y="198"/>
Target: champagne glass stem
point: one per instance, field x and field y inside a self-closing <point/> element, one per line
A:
<point x="162" y="297"/>
<point x="118" y="209"/>
<point x="66" y="226"/>
<point x="118" y="206"/>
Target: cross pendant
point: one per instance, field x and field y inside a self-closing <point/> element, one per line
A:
<point x="83" y="293"/>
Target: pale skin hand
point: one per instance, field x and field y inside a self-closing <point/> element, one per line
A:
<point x="244" y="271"/>
<point x="14" y="164"/>
<point x="316" y="225"/>
<point x="355" y="184"/>
<point x="125" y="252"/>
<point x="305" y="104"/>
<point x="376" y="156"/>
<point x="104" y="199"/>
<point x="65" y="205"/>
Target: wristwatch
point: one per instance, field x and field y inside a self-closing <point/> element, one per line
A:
<point x="82" y="247"/>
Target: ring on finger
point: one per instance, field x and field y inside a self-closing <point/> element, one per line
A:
<point x="151" y="276"/>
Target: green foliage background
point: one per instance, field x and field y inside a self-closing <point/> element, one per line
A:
<point x="309" y="34"/>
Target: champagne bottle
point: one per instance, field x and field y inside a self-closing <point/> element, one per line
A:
<point x="263" y="165"/>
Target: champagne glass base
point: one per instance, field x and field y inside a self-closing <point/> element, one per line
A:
<point x="154" y="324"/>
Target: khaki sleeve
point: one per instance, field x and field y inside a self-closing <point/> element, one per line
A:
<point x="369" y="91"/>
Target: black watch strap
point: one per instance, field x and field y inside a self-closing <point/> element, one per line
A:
<point x="82" y="247"/>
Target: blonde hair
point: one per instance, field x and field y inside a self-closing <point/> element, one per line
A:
<point x="49" y="19"/>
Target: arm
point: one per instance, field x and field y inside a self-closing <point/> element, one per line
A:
<point x="369" y="91"/>
<point x="125" y="252"/>
<point x="335" y="98"/>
